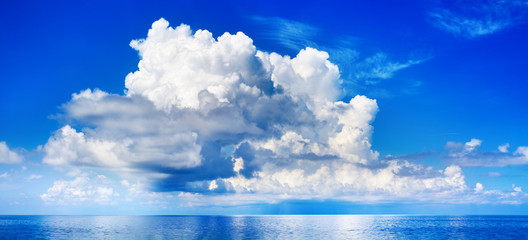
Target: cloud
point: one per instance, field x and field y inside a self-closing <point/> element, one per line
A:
<point x="33" y="177"/>
<point x="4" y="175"/>
<point x="214" y="119"/>
<point x="411" y="156"/>
<point x="467" y="155"/>
<point x="78" y="191"/>
<point x="483" y="196"/>
<point x="504" y="148"/>
<point x="68" y="146"/>
<point x="378" y="67"/>
<point x="494" y="174"/>
<point x="471" y="20"/>
<point x="89" y="189"/>
<point x="352" y="182"/>
<point x="356" y="71"/>
<point x="192" y="97"/>
<point x="8" y="156"/>
<point x="81" y="190"/>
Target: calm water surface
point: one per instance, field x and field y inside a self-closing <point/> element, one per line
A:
<point x="264" y="227"/>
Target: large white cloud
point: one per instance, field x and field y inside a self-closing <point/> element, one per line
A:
<point x="8" y="156"/>
<point x="219" y="117"/>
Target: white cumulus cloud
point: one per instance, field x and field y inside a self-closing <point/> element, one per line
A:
<point x="216" y="117"/>
<point x="504" y="148"/>
<point x="8" y="156"/>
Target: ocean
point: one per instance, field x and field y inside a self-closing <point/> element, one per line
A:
<point x="264" y="227"/>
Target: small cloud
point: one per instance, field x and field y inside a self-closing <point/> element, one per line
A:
<point x="504" y="148"/>
<point x="125" y="183"/>
<point x="4" y="175"/>
<point x="516" y="190"/>
<point x="479" y="187"/>
<point x="8" y="156"/>
<point x="473" y="144"/>
<point x="33" y="177"/>
<point x="494" y="174"/>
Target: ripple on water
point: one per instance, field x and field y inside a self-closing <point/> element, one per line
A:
<point x="264" y="227"/>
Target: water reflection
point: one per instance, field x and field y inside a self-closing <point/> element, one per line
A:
<point x="264" y="227"/>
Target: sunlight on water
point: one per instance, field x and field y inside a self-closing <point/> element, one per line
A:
<point x="264" y="227"/>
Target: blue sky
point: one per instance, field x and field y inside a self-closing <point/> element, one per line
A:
<point x="379" y="107"/>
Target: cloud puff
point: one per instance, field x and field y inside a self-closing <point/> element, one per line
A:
<point x="216" y="117"/>
<point x="8" y="156"/>
<point x="80" y="190"/>
<point x="504" y="148"/>
<point x="471" y="20"/>
<point x="467" y="155"/>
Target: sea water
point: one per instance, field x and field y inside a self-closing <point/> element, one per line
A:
<point x="264" y="227"/>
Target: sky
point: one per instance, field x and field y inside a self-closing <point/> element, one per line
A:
<point x="264" y="107"/>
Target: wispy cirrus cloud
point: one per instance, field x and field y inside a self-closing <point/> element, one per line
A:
<point x="480" y="18"/>
<point x="357" y="71"/>
<point x="379" y="66"/>
<point x="33" y="177"/>
<point x="288" y="33"/>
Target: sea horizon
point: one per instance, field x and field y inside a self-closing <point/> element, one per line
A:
<point x="263" y="227"/>
<point x="235" y="215"/>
